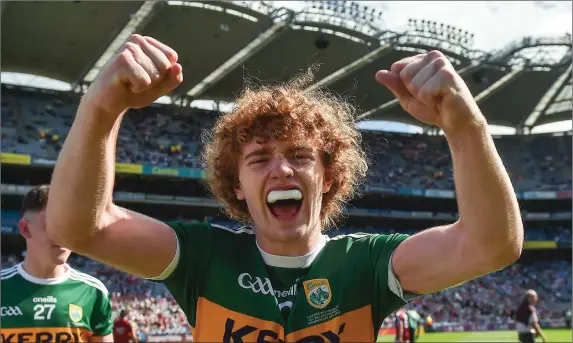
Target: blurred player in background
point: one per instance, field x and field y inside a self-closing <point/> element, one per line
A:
<point x="286" y="160"/>
<point x="527" y="323"/>
<point x="123" y="331"/>
<point x="413" y="325"/>
<point x="429" y="323"/>
<point x="43" y="298"/>
<point x="401" y="325"/>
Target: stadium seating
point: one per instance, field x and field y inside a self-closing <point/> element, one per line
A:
<point x="36" y="123"/>
<point x="487" y="300"/>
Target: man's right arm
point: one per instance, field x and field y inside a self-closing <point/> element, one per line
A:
<point x="80" y="213"/>
<point x="536" y="326"/>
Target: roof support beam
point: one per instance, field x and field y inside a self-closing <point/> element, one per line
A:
<point x="394" y="102"/>
<point x="499" y="84"/>
<point x="353" y="66"/>
<point x="231" y="64"/>
<point x="141" y="16"/>
<point x="548" y="98"/>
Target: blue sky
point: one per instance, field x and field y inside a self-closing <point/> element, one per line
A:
<point x="494" y="23"/>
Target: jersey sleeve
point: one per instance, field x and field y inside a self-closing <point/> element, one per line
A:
<point x="187" y="271"/>
<point x="388" y="291"/>
<point x="101" y="321"/>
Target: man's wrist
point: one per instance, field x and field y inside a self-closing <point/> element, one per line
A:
<point x="472" y="133"/>
<point x="97" y="115"/>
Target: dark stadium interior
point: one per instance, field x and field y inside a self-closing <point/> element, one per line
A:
<point x="409" y="186"/>
<point x="483" y="77"/>
<point x="74" y="30"/>
<point x="362" y="89"/>
<point x="295" y="51"/>
<point x="520" y="95"/>
<point x="170" y="23"/>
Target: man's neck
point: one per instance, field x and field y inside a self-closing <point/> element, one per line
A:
<point x="42" y="270"/>
<point x="300" y="247"/>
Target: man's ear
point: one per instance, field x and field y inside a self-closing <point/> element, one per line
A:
<point x="24" y="228"/>
<point x="327" y="182"/>
<point x="239" y="192"/>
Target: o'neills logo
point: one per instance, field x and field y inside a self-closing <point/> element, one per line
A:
<point x="48" y="299"/>
<point x="317" y="292"/>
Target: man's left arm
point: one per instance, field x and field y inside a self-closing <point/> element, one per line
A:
<point x="489" y="233"/>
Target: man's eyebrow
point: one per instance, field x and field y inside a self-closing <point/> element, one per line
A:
<point x="258" y="152"/>
<point x="301" y="148"/>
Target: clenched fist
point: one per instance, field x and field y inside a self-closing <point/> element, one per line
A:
<point x="428" y="87"/>
<point x="142" y="71"/>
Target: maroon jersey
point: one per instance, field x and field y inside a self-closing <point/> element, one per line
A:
<point x="525" y="316"/>
<point x="122" y="331"/>
<point x="402" y="317"/>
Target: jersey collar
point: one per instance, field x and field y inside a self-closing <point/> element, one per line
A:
<point x="294" y="261"/>
<point x="40" y="281"/>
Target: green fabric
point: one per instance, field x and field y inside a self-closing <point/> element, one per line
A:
<point x="221" y="277"/>
<point x="74" y="308"/>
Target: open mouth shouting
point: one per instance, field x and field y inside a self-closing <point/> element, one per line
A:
<point x="285" y="203"/>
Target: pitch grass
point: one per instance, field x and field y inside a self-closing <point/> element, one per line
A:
<point x="557" y="335"/>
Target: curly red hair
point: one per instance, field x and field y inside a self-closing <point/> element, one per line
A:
<point x="287" y="111"/>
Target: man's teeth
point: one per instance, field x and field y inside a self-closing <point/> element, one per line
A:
<point x="293" y="194"/>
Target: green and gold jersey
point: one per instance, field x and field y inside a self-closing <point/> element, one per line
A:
<point x="69" y="308"/>
<point x="232" y="291"/>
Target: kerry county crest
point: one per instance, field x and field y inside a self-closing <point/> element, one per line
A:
<point x="318" y="293"/>
<point x="75" y="312"/>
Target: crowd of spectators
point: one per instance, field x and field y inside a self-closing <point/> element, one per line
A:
<point x="168" y="136"/>
<point x="490" y="299"/>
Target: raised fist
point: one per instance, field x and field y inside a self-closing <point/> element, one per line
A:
<point x="428" y="87"/>
<point x="142" y="71"/>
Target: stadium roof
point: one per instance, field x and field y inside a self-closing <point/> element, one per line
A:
<point x="220" y="43"/>
<point x="59" y="39"/>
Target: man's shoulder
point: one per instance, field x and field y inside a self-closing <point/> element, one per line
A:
<point x="240" y="231"/>
<point x="182" y="227"/>
<point x="7" y="272"/>
<point x="367" y="238"/>
<point x="9" y="275"/>
<point x="81" y="279"/>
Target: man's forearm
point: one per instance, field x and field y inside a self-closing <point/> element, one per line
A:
<point x="488" y="209"/>
<point x="82" y="182"/>
<point x="538" y="331"/>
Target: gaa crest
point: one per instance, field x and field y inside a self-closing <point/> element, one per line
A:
<point x="318" y="293"/>
<point x="75" y="312"/>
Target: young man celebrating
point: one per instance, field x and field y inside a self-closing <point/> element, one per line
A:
<point x="286" y="160"/>
<point x="43" y="298"/>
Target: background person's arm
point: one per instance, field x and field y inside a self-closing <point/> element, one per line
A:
<point x="80" y="212"/>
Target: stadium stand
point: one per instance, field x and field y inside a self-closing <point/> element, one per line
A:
<point x="35" y="123"/>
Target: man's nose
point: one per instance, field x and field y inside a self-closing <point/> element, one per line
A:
<point x="281" y="168"/>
